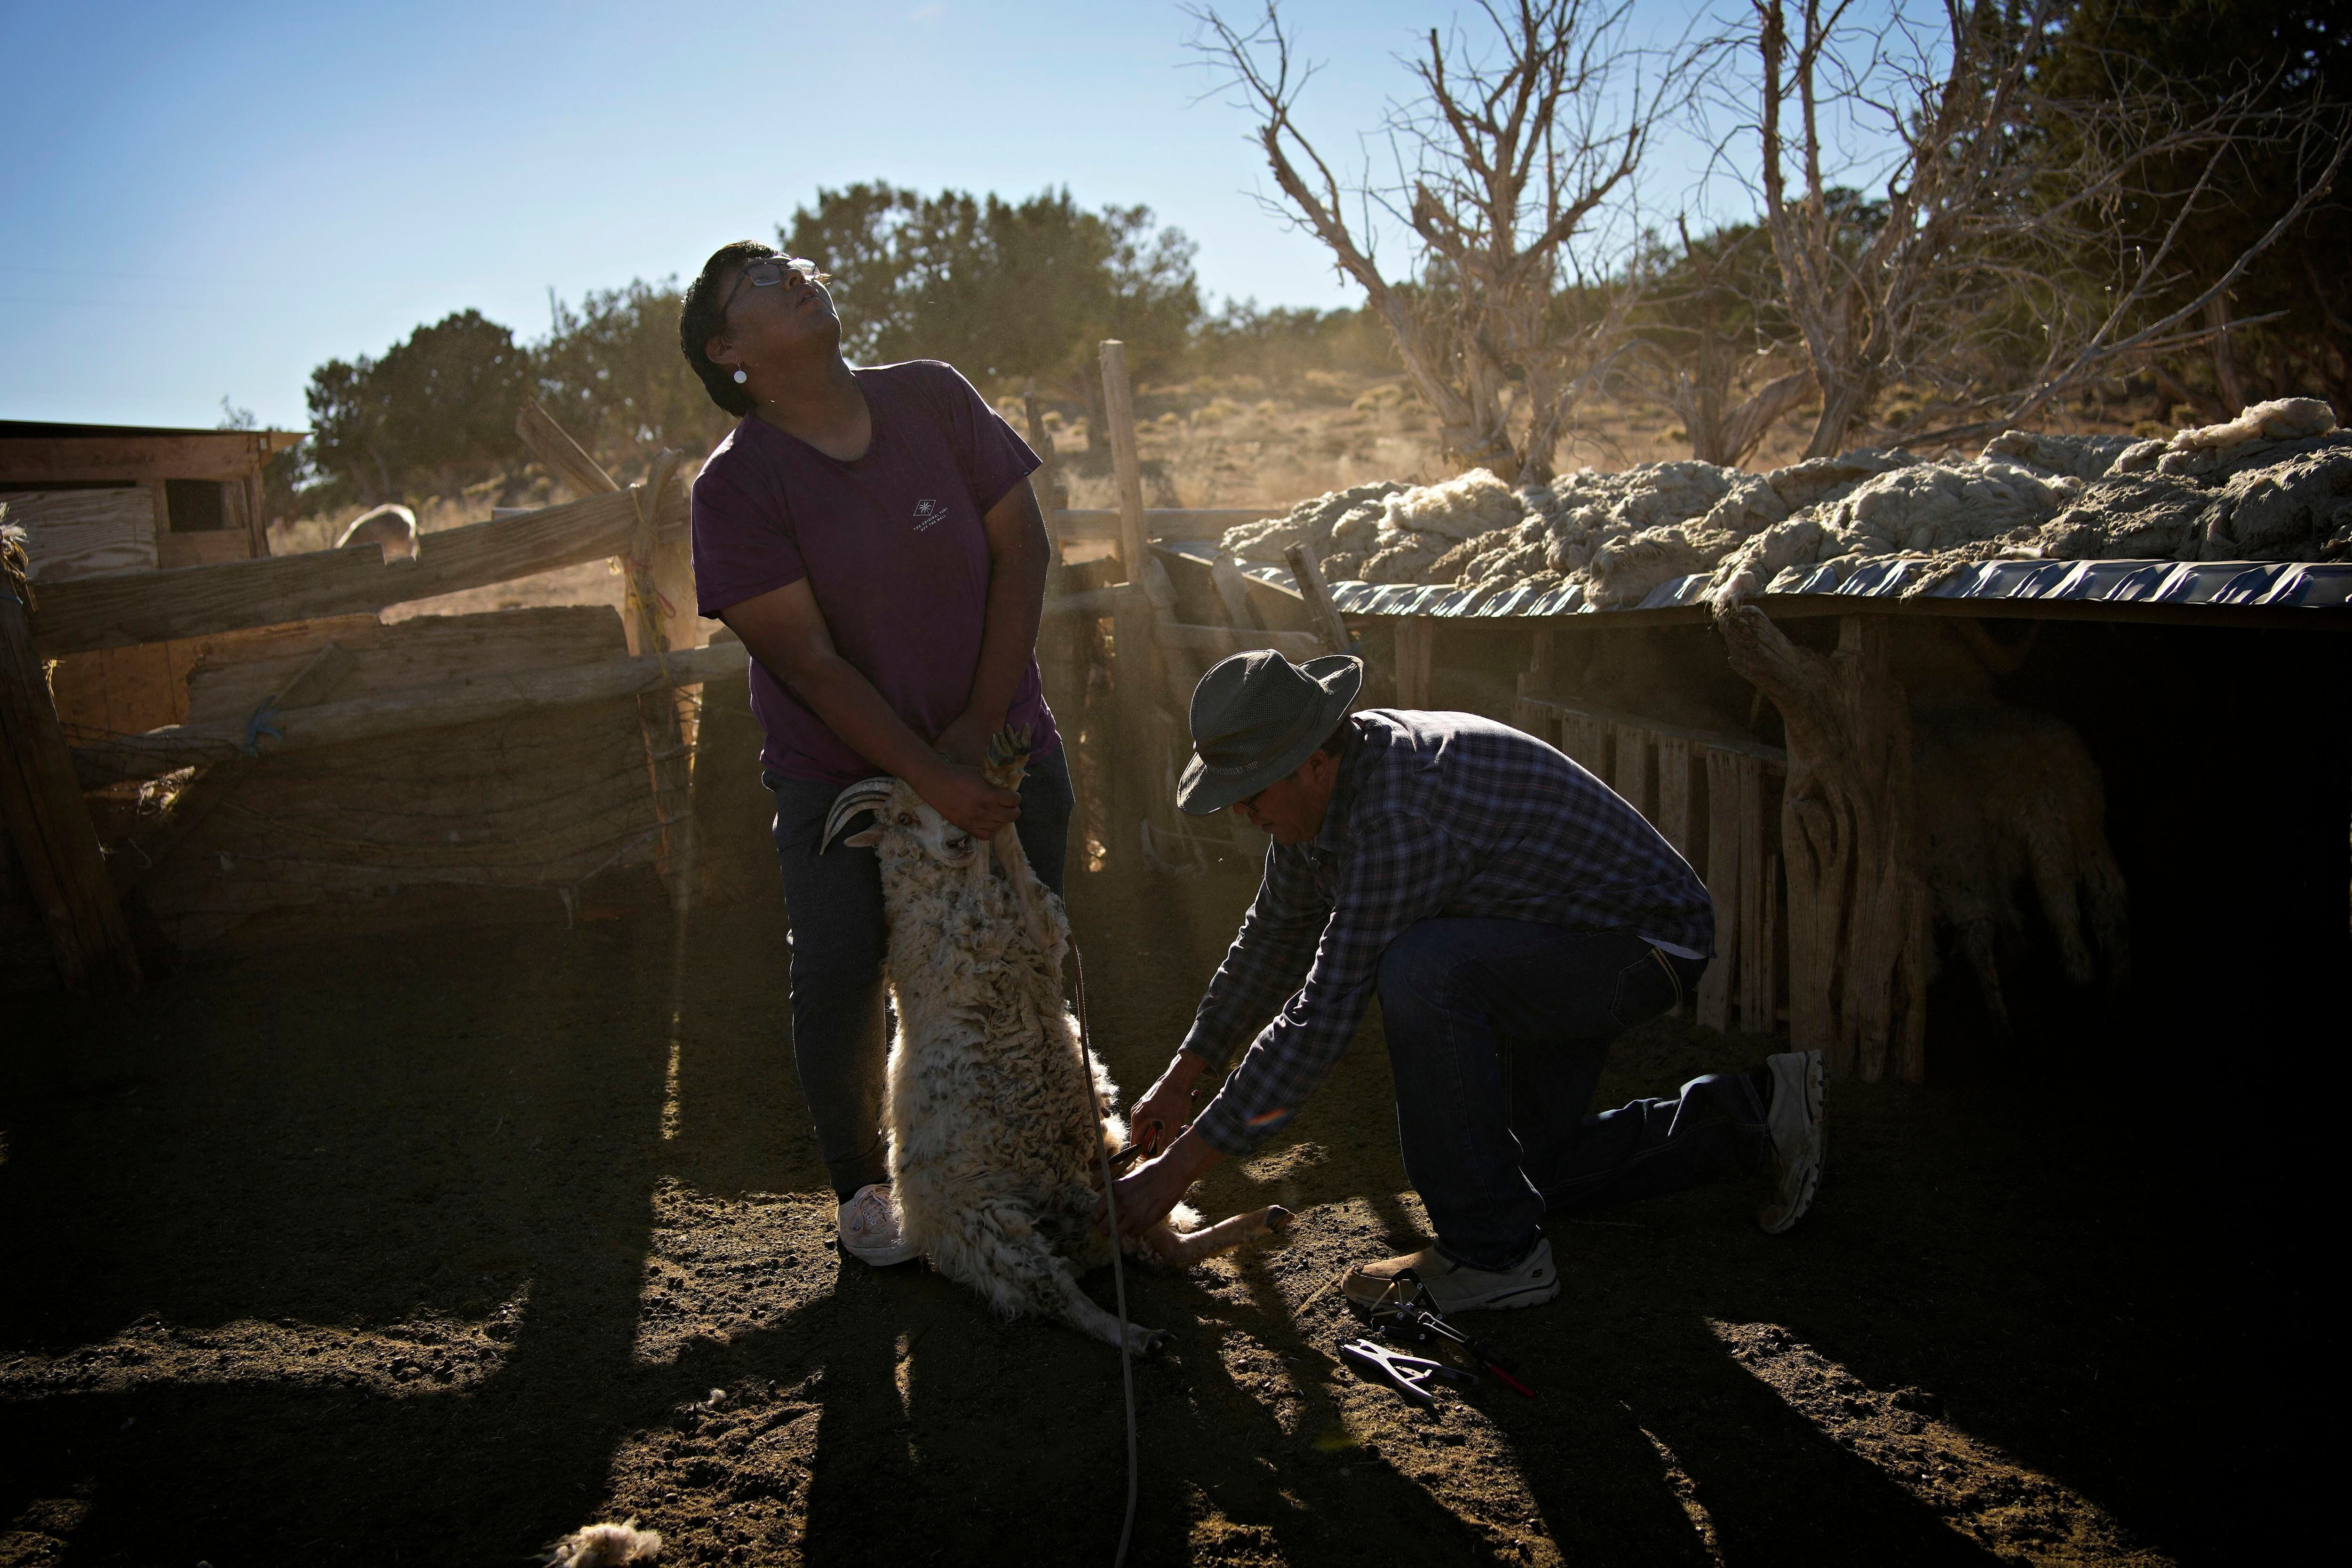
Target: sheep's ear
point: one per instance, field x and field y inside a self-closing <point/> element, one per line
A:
<point x="861" y="840"/>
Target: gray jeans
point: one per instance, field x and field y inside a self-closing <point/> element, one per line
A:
<point x="833" y="904"/>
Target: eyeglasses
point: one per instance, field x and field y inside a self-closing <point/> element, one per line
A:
<point x="1248" y="803"/>
<point x="770" y="271"/>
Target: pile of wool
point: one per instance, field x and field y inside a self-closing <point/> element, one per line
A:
<point x="1926" y="509"/>
<point x="2213" y="449"/>
<point x="1417" y="527"/>
<point x="605" y="1546"/>
<point x="1312" y="523"/>
<point x="2276" y="483"/>
<point x="2078" y="457"/>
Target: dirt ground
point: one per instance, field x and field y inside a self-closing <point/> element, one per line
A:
<point x="431" y="1252"/>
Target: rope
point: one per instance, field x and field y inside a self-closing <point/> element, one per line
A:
<point x="1117" y="1271"/>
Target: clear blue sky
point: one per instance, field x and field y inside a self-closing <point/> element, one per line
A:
<point x="209" y="201"/>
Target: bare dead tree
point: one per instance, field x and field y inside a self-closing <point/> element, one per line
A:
<point x="1704" y="347"/>
<point x="1975" y="278"/>
<point x="1502" y="162"/>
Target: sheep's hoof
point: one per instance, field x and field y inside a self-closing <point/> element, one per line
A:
<point x="1145" y="1342"/>
<point x="1008" y="745"/>
<point x="1277" y="1217"/>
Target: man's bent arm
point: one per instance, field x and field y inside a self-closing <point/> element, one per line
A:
<point x="1267" y="963"/>
<point x="1404" y="874"/>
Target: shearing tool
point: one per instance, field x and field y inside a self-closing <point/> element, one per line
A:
<point x="1409" y="1376"/>
<point x="1409" y="1319"/>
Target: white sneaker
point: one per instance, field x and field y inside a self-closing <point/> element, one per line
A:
<point x="868" y="1223"/>
<point x="1455" y="1287"/>
<point x="1793" y="1121"/>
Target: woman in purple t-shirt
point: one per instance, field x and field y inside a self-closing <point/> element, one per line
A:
<point x="871" y="536"/>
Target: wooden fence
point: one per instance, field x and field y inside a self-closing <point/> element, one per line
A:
<point x="1715" y="798"/>
<point x="312" y="751"/>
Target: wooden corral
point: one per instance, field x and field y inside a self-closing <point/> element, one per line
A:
<point x="104" y="500"/>
<point x="1887" y="795"/>
<point x="296" y="765"/>
<point x="1893" y="799"/>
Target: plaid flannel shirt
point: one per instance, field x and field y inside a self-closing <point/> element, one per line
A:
<point x="1435" y="814"/>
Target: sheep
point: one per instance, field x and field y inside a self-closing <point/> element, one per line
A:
<point x="392" y="526"/>
<point x="995" y="1146"/>
<point x="2009" y="796"/>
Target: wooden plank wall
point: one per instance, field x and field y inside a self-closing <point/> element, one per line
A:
<point x="86" y="533"/>
<point x="1716" y="799"/>
<point x="523" y="805"/>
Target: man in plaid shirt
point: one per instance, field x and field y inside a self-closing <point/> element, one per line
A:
<point x="1514" y="915"/>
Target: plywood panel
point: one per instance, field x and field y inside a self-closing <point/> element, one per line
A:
<point x="71" y="534"/>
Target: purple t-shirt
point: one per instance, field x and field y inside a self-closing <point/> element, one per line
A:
<point x="892" y="545"/>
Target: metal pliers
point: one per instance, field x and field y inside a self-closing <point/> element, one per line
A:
<point x="1423" y="1324"/>
<point x="1409" y="1376"/>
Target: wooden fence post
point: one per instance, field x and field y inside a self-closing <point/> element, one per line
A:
<point x="1630" y="779"/>
<point x="664" y="727"/>
<point x="1307" y="573"/>
<point x="1857" y="918"/>
<point x="1674" y="817"/>
<point x="660" y="618"/>
<point x="1587" y="741"/>
<point x="1055" y="496"/>
<point x="1416" y="640"/>
<point x="1145" y="605"/>
<point x="1714" y="987"/>
<point x="1126" y="466"/>
<point x="1754" y="959"/>
<point x="47" y="820"/>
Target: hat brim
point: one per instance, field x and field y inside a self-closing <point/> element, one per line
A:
<point x="1199" y="793"/>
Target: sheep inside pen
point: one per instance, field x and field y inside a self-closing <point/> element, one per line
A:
<point x="997" y="1115"/>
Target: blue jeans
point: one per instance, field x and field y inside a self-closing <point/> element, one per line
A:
<point x="832" y="907"/>
<point x="1496" y="1032"/>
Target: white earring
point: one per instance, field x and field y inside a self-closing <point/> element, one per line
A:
<point x="742" y="376"/>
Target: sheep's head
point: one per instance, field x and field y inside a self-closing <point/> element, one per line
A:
<point x="900" y="813"/>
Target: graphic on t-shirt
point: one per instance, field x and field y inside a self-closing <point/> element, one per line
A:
<point x="927" y="512"/>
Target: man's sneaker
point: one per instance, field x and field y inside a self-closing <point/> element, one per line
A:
<point x="1455" y="1287"/>
<point x="1793" y="1121"/>
<point x="869" y="1227"/>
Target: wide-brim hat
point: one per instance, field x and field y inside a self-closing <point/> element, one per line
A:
<point x="1255" y="717"/>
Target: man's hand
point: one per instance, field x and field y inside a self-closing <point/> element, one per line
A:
<point x="1147" y="1192"/>
<point x="1162" y="1112"/>
<point x="959" y="794"/>
<point x="966" y="740"/>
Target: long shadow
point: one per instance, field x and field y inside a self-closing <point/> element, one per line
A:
<point x="409" y="1139"/>
<point x="422" y="1135"/>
